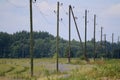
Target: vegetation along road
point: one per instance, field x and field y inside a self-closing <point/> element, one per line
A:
<point x="45" y="69"/>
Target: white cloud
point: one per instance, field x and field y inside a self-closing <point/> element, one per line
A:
<point x="112" y="11"/>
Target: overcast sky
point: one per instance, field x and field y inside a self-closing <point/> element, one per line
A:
<point x="14" y="16"/>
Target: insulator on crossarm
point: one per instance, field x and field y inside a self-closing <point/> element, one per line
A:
<point x="54" y="11"/>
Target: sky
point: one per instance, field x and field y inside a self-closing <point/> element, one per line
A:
<point x="14" y="16"/>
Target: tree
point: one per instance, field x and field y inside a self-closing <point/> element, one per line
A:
<point x="5" y="42"/>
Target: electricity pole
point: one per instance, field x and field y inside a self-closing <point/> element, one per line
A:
<point x="105" y="45"/>
<point x="118" y="47"/>
<point x="118" y="39"/>
<point x="95" y="37"/>
<point x="69" y="35"/>
<point x="101" y="38"/>
<point x="78" y="33"/>
<point x="85" y="32"/>
<point x="31" y="38"/>
<point x="112" y="44"/>
<point x="57" y="39"/>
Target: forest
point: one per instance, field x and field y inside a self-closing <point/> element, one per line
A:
<point x="17" y="45"/>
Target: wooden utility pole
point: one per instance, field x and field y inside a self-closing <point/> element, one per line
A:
<point x="69" y="53"/>
<point x="118" y="47"/>
<point x="112" y="44"/>
<point x="112" y="38"/>
<point x="101" y="38"/>
<point x="31" y="38"/>
<point x="118" y="39"/>
<point x="76" y="27"/>
<point x="95" y="55"/>
<point x="78" y="33"/>
<point x="85" y="52"/>
<point x="57" y="39"/>
<point x="105" y="45"/>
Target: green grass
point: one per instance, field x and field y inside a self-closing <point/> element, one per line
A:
<point x="110" y="69"/>
<point x="45" y="69"/>
<point x="102" y="70"/>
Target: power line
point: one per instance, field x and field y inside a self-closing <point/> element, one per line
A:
<point x="43" y="14"/>
<point x="63" y="9"/>
<point x="15" y="5"/>
<point x="40" y="10"/>
<point x="63" y="23"/>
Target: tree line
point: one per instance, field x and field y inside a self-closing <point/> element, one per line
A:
<point x="17" y="45"/>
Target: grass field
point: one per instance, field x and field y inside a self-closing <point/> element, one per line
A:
<point x="45" y="69"/>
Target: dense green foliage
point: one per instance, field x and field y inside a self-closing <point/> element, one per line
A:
<point x="17" y="45"/>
